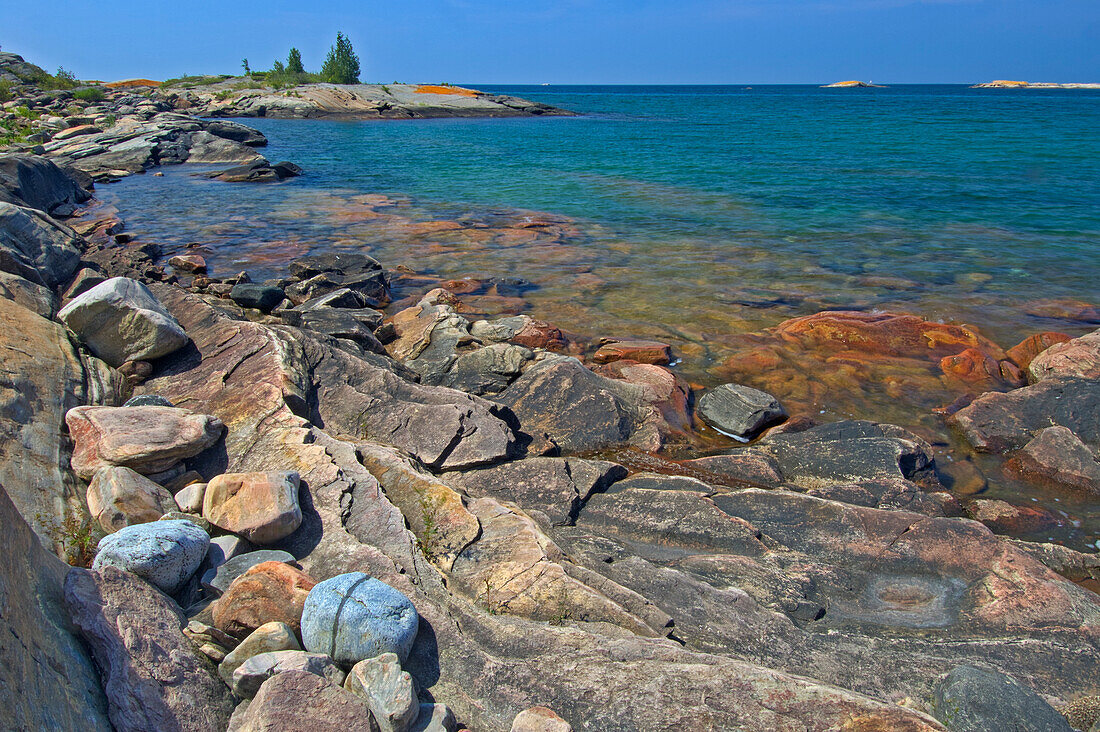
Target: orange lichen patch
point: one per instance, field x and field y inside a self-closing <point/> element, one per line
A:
<point x="452" y="90"/>
<point x="131" y="83"/>
<point x="1004" y="82"/>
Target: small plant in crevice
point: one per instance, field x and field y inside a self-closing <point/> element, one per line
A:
<point x="75" y="537"/>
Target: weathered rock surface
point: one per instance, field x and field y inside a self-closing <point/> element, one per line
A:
<point x="260" y="171"/>
<point x="740" y="411"/>
<point x="164" y="553"/>
<point x="250" y="675"/>
<point x="294" y="702"/>
<point x="268" y="592"/>
<point x="555" y="486"/>
<point x="31" y="180"/>
<point x="119" y="497"/>
<point x="152" y="675"/>
<point x="1058" y="456"/>
<point x="146" y="439"/>
<point x="974" y="700"/>
<point x="120" y="320"/>
<point x="41" y="378"/>
<point x="353" y="616"/>
<point x="390" y="692"/>
<point x="1079" y="358"/>
<point x="261" y="507"/>
<point x="47" y="679"/>
<point x="540" y="719"/>
<point x="35" y="247"/>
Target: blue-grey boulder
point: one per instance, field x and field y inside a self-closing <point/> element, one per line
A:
<point x="164" y="553"/>
<point x="355" y="616"/>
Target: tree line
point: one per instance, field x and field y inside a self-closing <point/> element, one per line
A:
<point x="341" y="66"/>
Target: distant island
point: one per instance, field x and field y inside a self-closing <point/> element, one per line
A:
<point x="853" y="84"/>
<point x="1004" y="84"/>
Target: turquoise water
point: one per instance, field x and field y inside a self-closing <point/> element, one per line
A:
<point x="697" y="214"/>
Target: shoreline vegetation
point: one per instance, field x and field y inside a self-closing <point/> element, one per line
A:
<point x="535" y="529"/>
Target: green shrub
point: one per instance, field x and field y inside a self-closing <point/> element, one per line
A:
<point x="341" y="65"/>
<point x="294" y="62"/>
<point x="5" y="91"/>
<point x="90" y="94"/>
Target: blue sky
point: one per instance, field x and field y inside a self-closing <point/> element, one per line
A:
<point x="573" y="41"/>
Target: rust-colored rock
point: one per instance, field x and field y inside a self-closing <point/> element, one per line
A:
<point x="1005" y="518"/>
<point x="1077" y="310"/>
<point x="651" y="352"/>
<point x="269" y="592"/>
<point x="1023" y="352"/>
<point x="1079" y="357"/>
<point x="192" y="263"/>
<point x="261" y="507"/>
<point x="539" y="334"/>
<point x="979" y="369"/>
<point x="882" y="334"/>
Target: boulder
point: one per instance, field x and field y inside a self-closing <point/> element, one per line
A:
<point x="153" y="677"/>
<point x="270" y="591"/>
<point x="970" y="699"/>
<point x="261" y="297"/>
<point x="218" y="578"/>
<point x="164" y="553"/>
<point x="121" y="320"/>
<point x="390" y="692"/>
<point x="235" y="131"/>
<point x="35" y="181"/>
<point x="487" y="370"/>
<point x="250" y="675"/>
<point x="260" y="171"/>
<point x="434" y="718"/>
<point x="294" y="702"/>
<point x="261" y="507"/>
<point x="540" y="719"/>
<point x="354" y="616"/>
<point x="191" y="263"/>
<point x="740" y="411"/>
<point x="189" y="498"/>
<point x="1079" y="357"/>
<point x="47" y="679"/>
<point x="269" y="637"/>
<point x="341" y="324"/>
<point x="1002" y="422"/>
<point x="1057" y="456"/>
<point x="651" y="352"/>
<point x="37" y="248"/>
<point x="146" y="439"/>
<point x="119" y="497"/>
<point x="207" y="148"/>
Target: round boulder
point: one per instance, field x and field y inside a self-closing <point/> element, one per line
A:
<point x="355" y="616"/>
<point x="164" y="553"/>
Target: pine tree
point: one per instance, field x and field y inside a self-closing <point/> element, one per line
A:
<point x="294" y="62"/>
<point x="341" y="64"/>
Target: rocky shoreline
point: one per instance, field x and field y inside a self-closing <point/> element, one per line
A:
<point x="294" y="500"/>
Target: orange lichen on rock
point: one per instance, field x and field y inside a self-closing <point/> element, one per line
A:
<point x="439" y="89"/>
<point x="131" y="83"/>
<point x="1026" y="350"/>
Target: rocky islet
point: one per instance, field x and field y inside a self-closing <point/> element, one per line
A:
<point x="845" y="585"/>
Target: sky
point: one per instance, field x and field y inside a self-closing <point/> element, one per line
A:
<point x="572" y="41"/>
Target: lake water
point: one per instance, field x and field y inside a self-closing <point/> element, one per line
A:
<point x="696" y="214"/>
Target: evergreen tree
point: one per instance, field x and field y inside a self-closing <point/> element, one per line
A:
<point x="341" y="64"/>
<point x="294" y="62"/>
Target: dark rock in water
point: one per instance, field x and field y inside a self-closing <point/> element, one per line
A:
<point x="850" y="451"/>
<point x="148" y="400"/>
<point x="345" y="263"/>
<point x="261" y="297"/>
<point x="35" y="247"/>
<point x="296" y="701"/>
<point x="341" y="324"/>
<point x="555" y="486"/>
<point x="47" y="680"/>
<point x="1001" y="422"/>
<point x="260" y="171"/>
<point x="974" y="700"/>
<point x="372" y="286"/>
<point x="740" y="411"/>
<point x="235" y="131"/>
<point x="1057" y="456"/>
<point x="29" y="180"/>
<point x="154" y="678"/>
<point x="341" y="299"/>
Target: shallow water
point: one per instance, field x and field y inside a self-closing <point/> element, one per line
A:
<point x="696" y="214"/>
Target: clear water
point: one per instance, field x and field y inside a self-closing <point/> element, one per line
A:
<point x="696" y="214"/>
